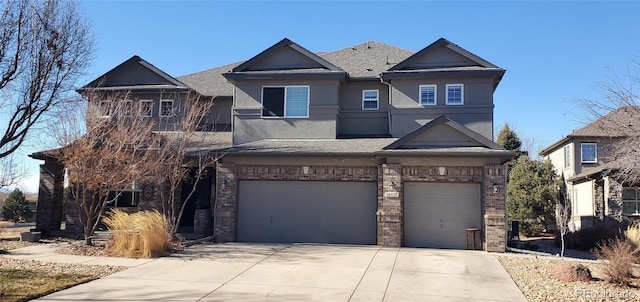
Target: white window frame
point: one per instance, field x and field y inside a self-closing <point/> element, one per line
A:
<point x="172" y="108"/>
<point x="448" y="102"/>
<point x="595" y="151"/>
<point x="285" y="101"/>
<point x="377" y="99"/>
<point x="435" y="95"/>
<point x="101" y="106"/>
<point x="141" y="113"/>
<point x="567" y="156"/>
<point x="636" y="201"/>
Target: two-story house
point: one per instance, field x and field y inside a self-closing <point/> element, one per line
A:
<point x="584" y="159"/>
<point x="371" y="144"/>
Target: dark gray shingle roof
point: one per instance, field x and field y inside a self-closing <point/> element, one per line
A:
<point x="363" y="60"/>
<point x="210" y="82"/>
<point x="611" y="124"/>
<point x="353" y="146"/>
<point x="367" y="59"/>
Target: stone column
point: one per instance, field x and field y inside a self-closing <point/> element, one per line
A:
<point x="73" y="226"/>
<point x="390" y="206"/>
<point x="494" y="208"/>
<point x="50" y="197"/>
<point x="226" y="207"/>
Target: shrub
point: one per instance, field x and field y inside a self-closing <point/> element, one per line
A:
<point x="16" y="207"/>
<point x="570" y="272"/>
<point x="633" y="236"/>
<point x="619" y="254"/>
<point x="140" y="235"/>
<point x="587" y="239"/>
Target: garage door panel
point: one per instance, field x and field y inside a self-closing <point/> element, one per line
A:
<point x="307" y="211"/>
<point x="438" y="214"/>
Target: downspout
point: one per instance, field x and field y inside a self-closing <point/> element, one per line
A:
<point x="390" y="102"/>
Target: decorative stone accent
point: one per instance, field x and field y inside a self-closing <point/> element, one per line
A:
<point x="226" y="206"/>
<point x="332" y="173"/>
<point x="50" y="198"/>
<point x="495" y="232"/>
<point x="390" y="206"/>
<point x="494" y="208"/>
<point x="73" y="226"/>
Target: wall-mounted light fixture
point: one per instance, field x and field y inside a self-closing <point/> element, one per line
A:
<point x="496" y="188"/>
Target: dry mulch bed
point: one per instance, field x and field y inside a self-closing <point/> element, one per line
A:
<point x="533" y="276"/>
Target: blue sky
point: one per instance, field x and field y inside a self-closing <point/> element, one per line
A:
<point x="554" y="52"/>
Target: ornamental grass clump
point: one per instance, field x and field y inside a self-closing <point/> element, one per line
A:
<point x="633" y="236"/>
<point x="618" y="268"/>
<point x="143" y="234"/>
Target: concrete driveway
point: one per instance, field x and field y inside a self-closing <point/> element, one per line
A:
<point x="305" y="272"/>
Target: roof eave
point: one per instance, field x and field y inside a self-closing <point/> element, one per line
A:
<point x="426" y="73"/>
<point x="275" y="75"/>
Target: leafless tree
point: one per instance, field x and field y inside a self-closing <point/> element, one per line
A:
<point x="186" y="155"/>
<point x="563" y="213"/>
<point x="11" y="171"/>
<point x="45" y="45"/>
<point x="104" y="149"/>
<point x="618" y="111"/>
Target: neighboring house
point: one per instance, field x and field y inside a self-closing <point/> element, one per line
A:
<point x="583" y="159"/>
<point x="371" y="144"/>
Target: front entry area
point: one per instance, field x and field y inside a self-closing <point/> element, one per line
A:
<point x="307" y="211"/>
<point x="437" y="215"/>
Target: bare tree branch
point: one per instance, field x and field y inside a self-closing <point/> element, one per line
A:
<point x="617" y="116"/>
<point x="44" y="47"/>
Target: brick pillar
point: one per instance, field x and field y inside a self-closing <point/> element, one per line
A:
<point x="494" y="208"/>
<point x="226" y="206"/>
<point x="390" y="206"/>
<point x="50" y="197"/>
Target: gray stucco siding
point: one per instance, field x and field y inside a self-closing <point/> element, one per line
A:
<point x="249" y="126"/>
<point x="363" y="122"/>
<point x="477" y="91"/>
<point x="321" y="92"/>
<point x="351" y="95"/>
<point x="476" y="118"/>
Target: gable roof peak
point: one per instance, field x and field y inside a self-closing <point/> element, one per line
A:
<point x="161" y="77"/>
<point x="285" y="42"/>
<point x="440" y="120"/>
<point x="442" y="42"/>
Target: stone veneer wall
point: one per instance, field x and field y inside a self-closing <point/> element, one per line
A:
<point x="50" y="196"/>
<point x="390" y="178"/>
<point x="390" y="206"/>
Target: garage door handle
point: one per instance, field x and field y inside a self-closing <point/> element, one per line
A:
<point x="270" y="219"/>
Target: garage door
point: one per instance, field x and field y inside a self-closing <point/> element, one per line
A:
<point x="307" y="211"/>
<point x="438" y="214"/>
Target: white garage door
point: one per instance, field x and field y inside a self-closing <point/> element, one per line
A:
<point x="307" y="211"/>
<point x="438" y="214"/>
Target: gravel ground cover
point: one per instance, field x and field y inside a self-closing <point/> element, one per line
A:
<point x="93" y="271"/>
<point x="532" y="275"/>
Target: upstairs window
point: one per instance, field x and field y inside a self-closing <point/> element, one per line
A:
<point x="286" y="101"/>
<point x="104" y="108"/>
<point x="427" y="95"/>
<point x="166" y="108"/>
<point x="127" y="108"/>
<point x="567" y="156"/>
<point x="369" y="99"/>
<point x="146" y="108"/>
<point x="455" y="94"/>
<point x="631" y="201"/>
<point x="589" y="152"/>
